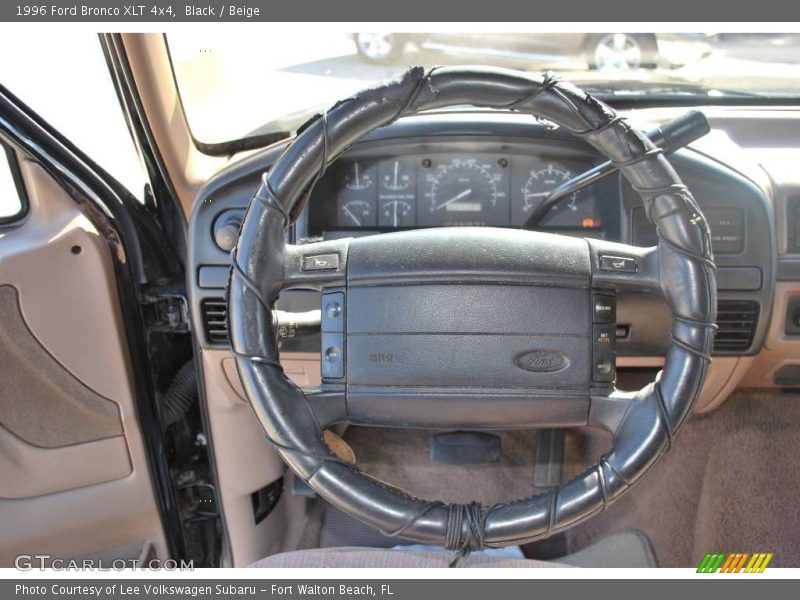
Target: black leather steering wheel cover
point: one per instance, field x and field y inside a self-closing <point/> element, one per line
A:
<point x="652" y="419"/>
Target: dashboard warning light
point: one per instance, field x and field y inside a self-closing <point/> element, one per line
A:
<point x="590" y="222"/>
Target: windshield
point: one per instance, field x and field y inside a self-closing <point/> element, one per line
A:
<point x="237" y="86"/>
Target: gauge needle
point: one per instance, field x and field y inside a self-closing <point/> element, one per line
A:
<point x="348" y="212"/>
<point x="396" y="167"/>
<point x="537" y="195"/>
<point x="456" y="198"/>
<point x="394" y="220"/>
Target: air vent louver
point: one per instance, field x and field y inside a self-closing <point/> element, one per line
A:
<point x="737" y="325"/>
<point x="215" y="320"/>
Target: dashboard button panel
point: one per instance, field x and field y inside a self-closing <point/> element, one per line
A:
<point x="604" y="338"/>
<point x="604" y="352"/>
<point x="332" y="328"/>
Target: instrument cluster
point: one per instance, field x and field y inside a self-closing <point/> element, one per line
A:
<point x="456" y="189"/>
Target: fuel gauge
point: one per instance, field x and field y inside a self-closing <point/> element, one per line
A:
<point x="396" y="213"/>
<point x="356" y="213"/>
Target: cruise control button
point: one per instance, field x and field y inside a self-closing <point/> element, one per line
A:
<point x="332" y="312"/>
<point x="618" y="264"/>
<point x="604" y="309"/>
<point x="604" y="346"/>
<point x="332" y="364"/>
<point x="604" y="369"/>
<point x="605" y="338"/>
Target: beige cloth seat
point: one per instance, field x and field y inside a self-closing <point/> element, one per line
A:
<point x="623" y="550"/>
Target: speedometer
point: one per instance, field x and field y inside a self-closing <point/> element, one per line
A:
<point x="465" y="191"/>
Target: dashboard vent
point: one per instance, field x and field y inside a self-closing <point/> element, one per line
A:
<point x="215" y="320"/>
<point x="737" y="325"/>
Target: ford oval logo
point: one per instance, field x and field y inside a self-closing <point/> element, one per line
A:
<point x="542" y="361"/>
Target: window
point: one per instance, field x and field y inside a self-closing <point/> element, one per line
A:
<point x="13" y="201"/>
<point x="245" y="83"/>
<point x="63" y="76"/>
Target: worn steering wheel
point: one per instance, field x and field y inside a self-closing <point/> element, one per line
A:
<point x="471" y="328"/>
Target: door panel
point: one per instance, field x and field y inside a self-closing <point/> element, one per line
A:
<point x="41" y="402"/>
<point x="75" y="477"/>
<point x="59" y="469"/>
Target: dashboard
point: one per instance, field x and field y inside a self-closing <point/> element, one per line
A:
<point x="490" y="169"/>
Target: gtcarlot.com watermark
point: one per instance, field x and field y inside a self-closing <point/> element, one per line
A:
<point x="32" y="562"/>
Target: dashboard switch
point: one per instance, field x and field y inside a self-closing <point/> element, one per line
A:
<point x="604" y="369"/>
<point x="333" y="337"/>
<point x="604" y="309"/>
<point x="332" y="365"/>
<point x="333" y="312"/>
<point x="605" y="338"/>
<point x="618" y="264"/>
<point x="604" y="352"/>
<point x="226" y="229"/>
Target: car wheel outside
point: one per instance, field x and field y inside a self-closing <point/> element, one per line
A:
<point x="621" y="51"/>
<point x="379" y="48"/>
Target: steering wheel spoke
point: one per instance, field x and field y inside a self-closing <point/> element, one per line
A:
<point x="624" y="268"/>
<point x="328" y="405"/>
<point x="608" y="408"/>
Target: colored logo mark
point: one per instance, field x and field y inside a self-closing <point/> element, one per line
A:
<point x="739" y="562"/>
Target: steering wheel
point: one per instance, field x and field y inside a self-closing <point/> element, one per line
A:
<point x="471" y="328"/>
